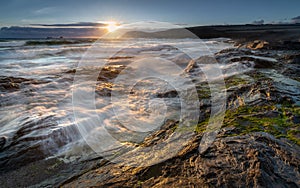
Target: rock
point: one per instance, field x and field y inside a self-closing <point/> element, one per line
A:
<point x="257" y="44"/>
<point x="14" y="83"/>
<point x="285" y="100"/>
<point x="271" y="45"/>
<point x="239" y="161"/>
<point x="168" y="94"/>
<point x="191" y="66"/>
<point x="109" y="72"/>
<point x="2" y="142"/>
<point x="243" y="55"/>
<point x="291" y="45"/>
<point x="294" y="59"/>
<point x="272" y="114"/>
<point x="264" y="63"/>
<point x="296" y="119"/>
<point x="260" y="62"/>
<point x="71" y="71"/>
<point x="104" y="92"/>
<point x="203" y="60"/>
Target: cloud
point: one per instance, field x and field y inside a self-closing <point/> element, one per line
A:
<point x="78" y="24"/>
<point x="38" y="32"/>
<point x="46" y="10"/>
<point x="296" y="19"/>
<point x="258" y="22"/>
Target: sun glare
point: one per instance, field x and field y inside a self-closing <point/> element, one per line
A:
<point x="112" y="26"/>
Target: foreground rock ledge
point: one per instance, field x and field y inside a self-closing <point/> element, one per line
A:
<point x="254" y="160"/>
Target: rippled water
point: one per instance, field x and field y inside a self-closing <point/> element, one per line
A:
<point x="36" y="116"/>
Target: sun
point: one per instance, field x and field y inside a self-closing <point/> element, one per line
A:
<point x="112" y="26"/>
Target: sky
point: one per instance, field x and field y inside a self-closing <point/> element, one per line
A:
<point x="197" y="12"/>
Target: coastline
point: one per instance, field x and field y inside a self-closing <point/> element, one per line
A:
<point x="238" y="157"/>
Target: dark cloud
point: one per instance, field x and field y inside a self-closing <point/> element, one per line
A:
<point x="258" y="22"/>
<point x="34" y="32"/>
<point x="79" y="24"/>
<point x="296" y="19"/>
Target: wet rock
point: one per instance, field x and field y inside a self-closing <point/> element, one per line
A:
<point x="272" y="114"/>
<point x="284" y="45"/>
<point x="291" y="45"/>
<point x="10" y="83"/>
<point x="191" y="66"/>
<point x="285" y="100"/>
<point x="239" y="161"/>
<point x="255" y="93"/>
<point x="270" y="44"/>
<point x="14" y="83"/>
<point x="260" y="62"/>
<point x="110" y="72"/>
<point x="11" y="86"/>
<point x="227" y="131"/>
<point x="227" y="50"/>
<point x="104" y="92"/>
<point x="2" y="142"/>
<point x="294" y="59"/>
<point x="36" y="172"/>
<point x="168" y="94"/>
<point x="257" y="44"/>
<point x="261" y="59"/>
<point x="296" y="119"/>
<point x="72" y="71"/>
<point x="194" y="65"/>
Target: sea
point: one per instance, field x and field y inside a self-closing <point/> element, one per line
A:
<point x="38" y="118"/>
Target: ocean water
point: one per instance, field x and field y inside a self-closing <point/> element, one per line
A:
<point x="36" y="115"/>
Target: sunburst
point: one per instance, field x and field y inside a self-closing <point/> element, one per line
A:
<point x="112" y="26"/>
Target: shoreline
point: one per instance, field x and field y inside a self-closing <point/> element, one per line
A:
<point x="188" y="166"/>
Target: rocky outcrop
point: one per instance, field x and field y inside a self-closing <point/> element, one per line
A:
<point x="254" y="160"/>
<point x="237" y="158"/>
<point x="244" y="55"/>
<point x="241" y="156"/>
<point x="14" y="83"/>
<point x="271" y="45"/>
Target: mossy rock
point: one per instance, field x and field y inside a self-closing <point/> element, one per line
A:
<point x="266" y="118"/>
